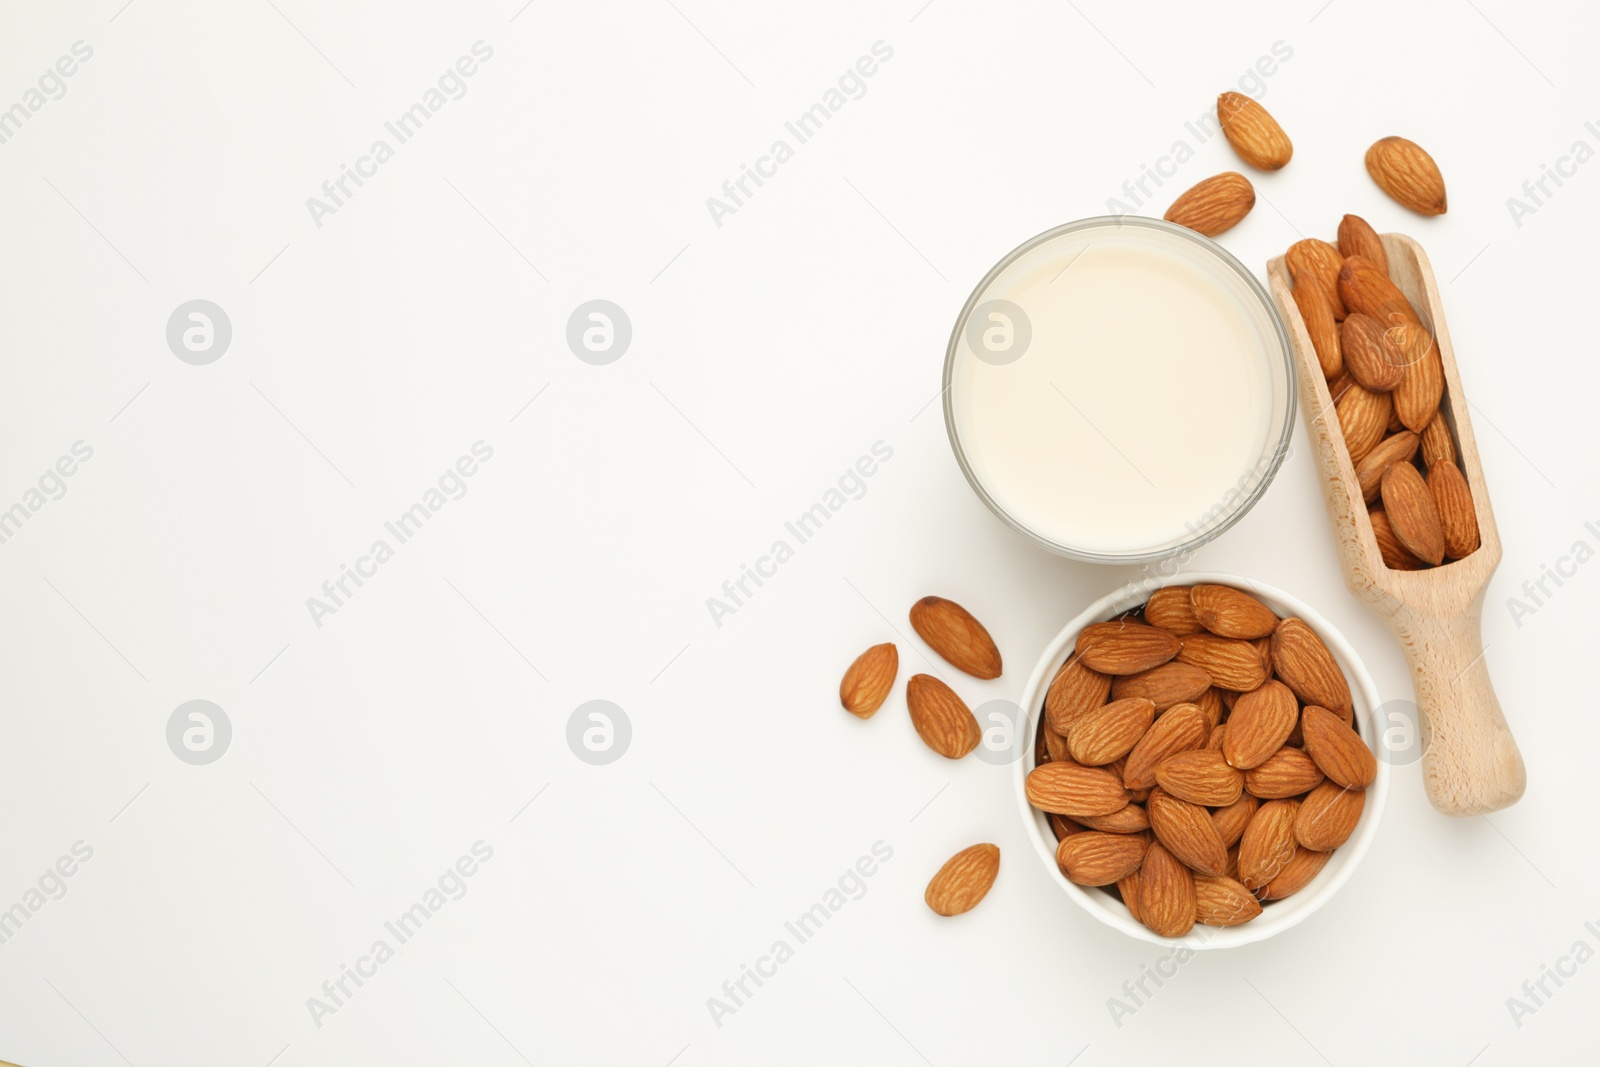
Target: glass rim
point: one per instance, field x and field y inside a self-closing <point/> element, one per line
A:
<point x="1275" y="457"/>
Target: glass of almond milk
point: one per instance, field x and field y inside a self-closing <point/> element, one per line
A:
<point x="1119" y="389"/>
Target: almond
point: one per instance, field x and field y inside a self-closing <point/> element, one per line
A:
<point x="1218" y="738"/>
<point x="1395" y="556"/>
<point x="1396" y="448"/>
<point x="1367" y="353"/>
<point x="867" y="683"/>
<point x="1182" y="728"/>
<point x="1232" y="819"/>
<point x="952" y="632"/>
<point x="1365" y="288"/>
<point x="1076" y="691"/>
<point x="1437" y="444"/>
<point x="1456" y="515"/>
<point x="1328" y="816"/>
<point x="1288" y="772"/>
<point x="1166" y="893"/>
<point x="1200" y="776"/>
<point x="1169" y="608"/>
<point x="1358" y="238"/>
<point x="1253" y="132"/>
<point x="1068" y="789"/>
<point x="1363" y="417"/>
<point x="1413" y="515"/>
<point x="1268" y="843"/>
<point x="1100" y="859"/>
<point x="1055" y="746"/>
<point x="1125" y="647"/>
<point x="1304" y="664"/>
<point x="964" y="880"/>
<point x="1317" y="261"/>
<point x="1110" y="732"/>
<point x="1338" y="750"/>
<point x="1416" y="398"/>
<point x="1165" y="686"/>
<point x="1316" y="314"/>
<point x="942" y="719"/>
<point x="1130" y="820"/>
<point x="1187" y="831"/>
<point x="1062" y="826"/>
<point x="1339" y="386"/>
<point x="1128" y="890"/>
<point x="1210" y="704"/>
<point x="1230" y="612"/>
<point x="1303" y="866"/>
<point x="1261" y="722"/>
<point x="1222" y="901"/>
<point x="1408" y="174"/>
<point x="1231" y="664"/>
<point x="1214" y="205"/>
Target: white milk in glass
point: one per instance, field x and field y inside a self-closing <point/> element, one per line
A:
<point x="1112" y="390"/>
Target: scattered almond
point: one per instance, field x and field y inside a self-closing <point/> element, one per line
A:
<point x="1253" y="132"/>
<point x="1215" y="205"/>
<point x="867" y="683"/>
<point x="964" y="880"/>
<point x="942" y="719"/>
<point x="952" y="632"/>
<point x="1408" y="174"/>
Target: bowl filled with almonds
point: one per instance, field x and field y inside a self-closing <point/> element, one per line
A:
<point x="1205" y="765"/>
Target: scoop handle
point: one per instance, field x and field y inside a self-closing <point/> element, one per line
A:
<point x="1470" y="762"/>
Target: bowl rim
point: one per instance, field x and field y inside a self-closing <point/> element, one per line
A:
<point x="1292" y="910"/>
<point x="1274" y="458"/>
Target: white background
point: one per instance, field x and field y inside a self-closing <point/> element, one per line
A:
<point x="768" y="354"/>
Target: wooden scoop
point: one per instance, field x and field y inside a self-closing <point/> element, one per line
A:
<point x="1470" y="762"/>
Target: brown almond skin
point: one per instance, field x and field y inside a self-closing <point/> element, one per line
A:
<point x="1076" y="690"/>
<point x="942" y="719"/>
<point x="1200" y="776"/>
<point x="1128" y="890"/>
<point x="1232" y="664"/>
<point x="1230" y="612"/>
<point x="1261" y="722"/>
<point x="1165" y="686"/>
<point x="1182" y="728"/>
<point x="1302" y="867"/>
<point x="1169" y="608"/>
<point x="1223" y="901"/>
<point x="1253" y="132"/>
<point x="1288" y="772"/>
<point x="1214" y="205"/>
<point x="1408" y="174"/>
<point x="1068" y="789"/>
<point x="1413" y="515"/>
<point x="1303" y="663"/>
<point x="1395" y="556"/>
<point x="964" y="880"/>
<point x="1368" y="355"/>
<point x="1122" y="646"/>
<point x="1130" y="820"/>
<point x="1108" y="733"/>
<point x="1166" y="893"/>
<point x="1416" y="398"/>
<point x="1338" y="750"/>
<point x="1232" y="820"/>
<point x="1318" y="261"/>
<point x="1437" y="444"/>
<point x="1097" y="858"/>
<point x="1328" y="816"/>
<point x="1062" y="826"/>
<point x="1268" y="843"/>
<point x="952" y="632"/>
<point x="1358" y="238"/>
<point x="1316" y="314"/>
<point x="1457" y="518"/>
<point x="1210" y="703"/>
<point x="1366" y="289"/>
<point x="867" y="683"/>
<point x="1187" y="831"/>
<point x="1363" y="418"/>
<point x="1396" y="448"/>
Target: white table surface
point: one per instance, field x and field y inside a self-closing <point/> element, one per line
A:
<point x="768" y="353"/>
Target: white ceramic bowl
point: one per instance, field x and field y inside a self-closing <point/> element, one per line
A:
<point x="1279" y="915"/>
